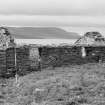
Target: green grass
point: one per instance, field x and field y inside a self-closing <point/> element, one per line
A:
<point x="74" y="85"/>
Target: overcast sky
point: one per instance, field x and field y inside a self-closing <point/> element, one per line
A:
<point x="52" y="13"/>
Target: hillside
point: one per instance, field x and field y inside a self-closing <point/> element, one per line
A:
<point x="41" y="33"/>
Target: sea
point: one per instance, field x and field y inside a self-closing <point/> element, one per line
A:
<point x="45" y="41"/>
<point x="81" y="30"/>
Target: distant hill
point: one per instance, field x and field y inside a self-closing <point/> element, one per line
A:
<point x="41" y="33"/>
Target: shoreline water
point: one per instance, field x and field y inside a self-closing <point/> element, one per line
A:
<point x="45" y="41"/>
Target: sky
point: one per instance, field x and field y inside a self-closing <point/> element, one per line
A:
<point x="59" y="13"/>
<point x="52" y="7"/>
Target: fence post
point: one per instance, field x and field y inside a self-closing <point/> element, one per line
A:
<point x="16" y="75"/>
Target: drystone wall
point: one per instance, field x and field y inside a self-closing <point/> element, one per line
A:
<point x="73" y="55"/>
<point x="60" y="56"/>
<point x="26" y="59"/>
<point x="2" y="62"/>
<point x="22" y="59"/>
<point x="95" y="53"/>
<point x="32" y="59"/>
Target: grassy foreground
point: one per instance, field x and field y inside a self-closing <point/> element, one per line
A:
<point x="74" y="85"/>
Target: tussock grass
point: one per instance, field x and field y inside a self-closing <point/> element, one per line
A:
<point x="75" y="85"/>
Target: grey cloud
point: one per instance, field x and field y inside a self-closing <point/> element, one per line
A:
<point x="39" y="20"/>
<point x="52" y="7"/>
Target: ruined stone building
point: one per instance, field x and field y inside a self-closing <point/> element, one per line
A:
<point x="92" y="45"/>
<point x="90" y="48"/>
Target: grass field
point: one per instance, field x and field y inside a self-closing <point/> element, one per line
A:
<point x="73" y="85"/>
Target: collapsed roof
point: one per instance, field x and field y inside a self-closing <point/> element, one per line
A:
<point x="91" y="39"/>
